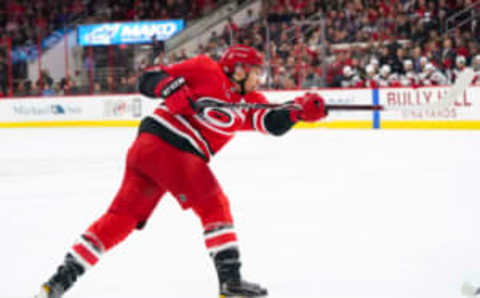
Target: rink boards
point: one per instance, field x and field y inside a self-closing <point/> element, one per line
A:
<point x="127" y="110"/>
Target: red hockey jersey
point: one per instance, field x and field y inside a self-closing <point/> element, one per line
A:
<point x="210" y="129"/>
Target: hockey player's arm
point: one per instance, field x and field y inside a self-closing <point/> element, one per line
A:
<point x="177" y="96"/>
<point x="156" y="83"/>
<point x="310" y="108"/>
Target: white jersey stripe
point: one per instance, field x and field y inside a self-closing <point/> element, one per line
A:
<point x="219" y="233"/>
<point x="259" y="125"/>
<point x="79" y="259"/>
<point x="195" y="132"/>
<point x="95" y="238"/>
<point x="214" y="250"/>
<point x="207" y="125"/>
<point x="90" y="247"/>
<point x="165" y="123"/>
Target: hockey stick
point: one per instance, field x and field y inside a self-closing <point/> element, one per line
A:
<point x="258" y="106"/>
<point x="461" y="84"/>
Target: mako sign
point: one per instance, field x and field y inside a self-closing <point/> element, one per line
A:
<point x="128" y="32"/>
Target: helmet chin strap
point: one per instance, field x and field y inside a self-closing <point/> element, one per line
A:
<point x="241" y="83"/>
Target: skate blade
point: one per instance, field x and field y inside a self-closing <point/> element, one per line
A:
<point x="44" y="292"/>
<point x="224" y="296"/>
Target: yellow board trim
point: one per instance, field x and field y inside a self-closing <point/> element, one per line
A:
<point x="133" y="123"/>
<point x="453" y="124"/>
<point x="385" y="124"/>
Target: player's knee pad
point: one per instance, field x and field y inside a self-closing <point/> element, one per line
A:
<point x="111" y="229"/>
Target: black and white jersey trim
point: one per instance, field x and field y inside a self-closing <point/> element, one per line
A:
<point x="163" y="130"/>
<point x="195" y="132"/>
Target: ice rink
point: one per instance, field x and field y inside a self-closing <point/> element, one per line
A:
<point x="319" y="213"/>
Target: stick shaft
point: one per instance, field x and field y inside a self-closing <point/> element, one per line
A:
<point x="289" y="106"/>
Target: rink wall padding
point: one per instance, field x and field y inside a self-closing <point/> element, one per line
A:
<point x="127" y="110"/>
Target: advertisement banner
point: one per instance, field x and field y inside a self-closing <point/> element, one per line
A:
<point x="127" y="110"/>
<point x="128" y="32"/>
<point x="464" y="110"/>
<point x="123" y="107"/>
<point x="41" y="109"/>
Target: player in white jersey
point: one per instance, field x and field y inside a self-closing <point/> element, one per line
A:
<point x="460" y="64"/>
<point x="410" y="77"/>
<point x="476" y="68"/>
<point x="350" y="77"/>
<point x="384" y="77"/>
<point x="433" y="77"/>
<point x="423" y="63"/>
<point x="370" y="81"/>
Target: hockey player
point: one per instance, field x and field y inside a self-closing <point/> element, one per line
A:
<point x="476" y="69"/>
<point x="422" y="74"/>
<point x="171" y="153"/>
<point x="370" y="81"/>
<point x="350" y="78"/>
<point x="375" y="63"/>
<point x="476" y="63"/>
<point x="383" y="78"/>
<point x="460" y="64"/>
<point x="433" y="77"/>
<point x="410" y="78"/>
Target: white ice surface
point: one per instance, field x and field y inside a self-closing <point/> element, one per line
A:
<point x="319" y="213"/>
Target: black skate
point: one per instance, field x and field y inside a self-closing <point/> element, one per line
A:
<point x="241" y="289"/>
<point x="61" y="281"/>
<point x="231" y="283"/>
<point x="49" y="291"/>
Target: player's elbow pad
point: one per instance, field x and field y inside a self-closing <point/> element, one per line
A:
<point x="159" y="84"/>
<point x="278" y="122"/>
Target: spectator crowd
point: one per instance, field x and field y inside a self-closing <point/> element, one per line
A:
<point x="307" y="43"/>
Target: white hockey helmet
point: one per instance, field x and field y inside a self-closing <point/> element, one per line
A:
<point x="476" y="58"/>
<point x="347" y="71"/>
<point x="374" y="61"/>
<point x="460" y="59"/>
<point x="385" y="70"/>
<point x="429" y="67"/>
<point x="423" y="60"/>
<point x="370" y="69"/>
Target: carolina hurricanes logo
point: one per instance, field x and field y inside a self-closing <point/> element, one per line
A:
<point x="227" y="120"/>
<point x="220" y="117"/>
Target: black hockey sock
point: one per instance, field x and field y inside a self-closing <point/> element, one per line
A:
<point x="227" y="263"/>
<point x="67" y="273"/>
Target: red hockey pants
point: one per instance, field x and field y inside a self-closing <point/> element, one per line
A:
<point x="153" y="168"/>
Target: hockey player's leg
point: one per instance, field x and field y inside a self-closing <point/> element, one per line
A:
<point x="130" y="209"/>
<point x="102" y="235"/>
<point x="221" y="243"/>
